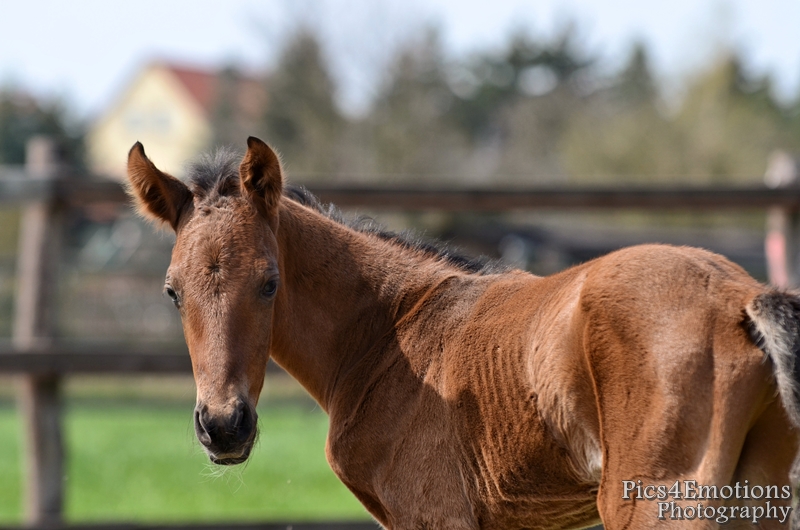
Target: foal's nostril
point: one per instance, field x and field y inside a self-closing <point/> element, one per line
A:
<point x="225" y="433"/>
<point x="200" y="427"/>
<point x="238" y="417"/>
<point x="244" y="423"/>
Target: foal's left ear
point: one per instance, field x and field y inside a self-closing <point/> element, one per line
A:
<point x="261" y="176"/>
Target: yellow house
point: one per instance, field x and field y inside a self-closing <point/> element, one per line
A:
<point x="172" y="110"/>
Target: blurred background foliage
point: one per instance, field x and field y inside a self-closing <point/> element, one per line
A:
<point x="534" y="112"/>
<point x="537" y="110"/>
<point x="23" y="116"/>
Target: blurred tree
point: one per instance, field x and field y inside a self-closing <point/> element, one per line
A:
<point x="538" y="111"/>
<point x="406" y="123"/>
<point x="791" y="127"/>
<point x="635" y="84"/>
<point x="22" y="116"/>
<point x="622" y="133"/>
<point x="533" y="130"/>
<point x="519" y="105"/>
<point x="722" y="131"/>
<point x="224" y="122"/>
<point x="729" y="122"/>
<point x="301" y="117"/>
<point x="525" y="69"/>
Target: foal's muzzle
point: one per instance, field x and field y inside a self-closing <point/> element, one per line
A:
<point x="226" y="437"/>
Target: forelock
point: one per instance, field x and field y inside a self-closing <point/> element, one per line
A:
<point x="215" y="174"/>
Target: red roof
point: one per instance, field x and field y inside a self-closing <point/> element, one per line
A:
<point x="200" y="84"/>
<point x="203" y="86"/>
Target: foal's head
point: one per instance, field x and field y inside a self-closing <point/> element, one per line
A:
<point x="224" y="279"/>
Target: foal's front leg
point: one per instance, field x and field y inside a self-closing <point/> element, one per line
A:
<point x="427" y="503"/>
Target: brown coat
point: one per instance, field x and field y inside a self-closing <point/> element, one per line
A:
<point x="463" y="397"/>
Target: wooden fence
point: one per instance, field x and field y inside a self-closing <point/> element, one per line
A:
<point x="46" y="192"/>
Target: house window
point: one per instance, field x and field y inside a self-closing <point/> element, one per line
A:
<point x="160" y="121"/>
<point x="134" y="121"/>
<point x="151" y="121"/>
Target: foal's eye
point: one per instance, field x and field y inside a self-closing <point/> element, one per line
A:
<point x="172" y="295"/>
<point x="269" y="289"/>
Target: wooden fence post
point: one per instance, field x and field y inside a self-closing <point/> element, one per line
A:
<point x="34" y="326"/>
<point x="782" y="243"/>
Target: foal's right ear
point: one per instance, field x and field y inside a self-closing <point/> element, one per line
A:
<point x="159" y="197"/>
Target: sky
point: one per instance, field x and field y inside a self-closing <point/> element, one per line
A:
<point x="84" y="51"/>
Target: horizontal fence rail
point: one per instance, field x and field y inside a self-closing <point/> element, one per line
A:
<point x="108" y="358"/>
<point x="565" y="198"/>
<point x="64" y="360"/>
<point x="15" y="187"/>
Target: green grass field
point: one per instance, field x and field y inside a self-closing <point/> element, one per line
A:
<point x="134" y="460"/>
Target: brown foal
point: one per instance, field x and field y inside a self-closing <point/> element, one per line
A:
<point x="462" y="395"/>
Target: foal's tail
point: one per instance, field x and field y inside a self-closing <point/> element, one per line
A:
<point x="775" y="328"/>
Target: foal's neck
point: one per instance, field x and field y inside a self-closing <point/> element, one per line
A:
<point x="342" y="292"/>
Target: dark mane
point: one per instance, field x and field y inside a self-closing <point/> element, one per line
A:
<point x="216" y="175"/>
<point x="436" y="250"/>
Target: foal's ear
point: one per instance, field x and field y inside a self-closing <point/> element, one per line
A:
<point x="261" y="175"/>
<point x="159" y="197"/>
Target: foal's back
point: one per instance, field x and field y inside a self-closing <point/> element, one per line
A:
<point x="553" y="391"/>
<point x="663" y="338"/>
<point x="682" y="390"/>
